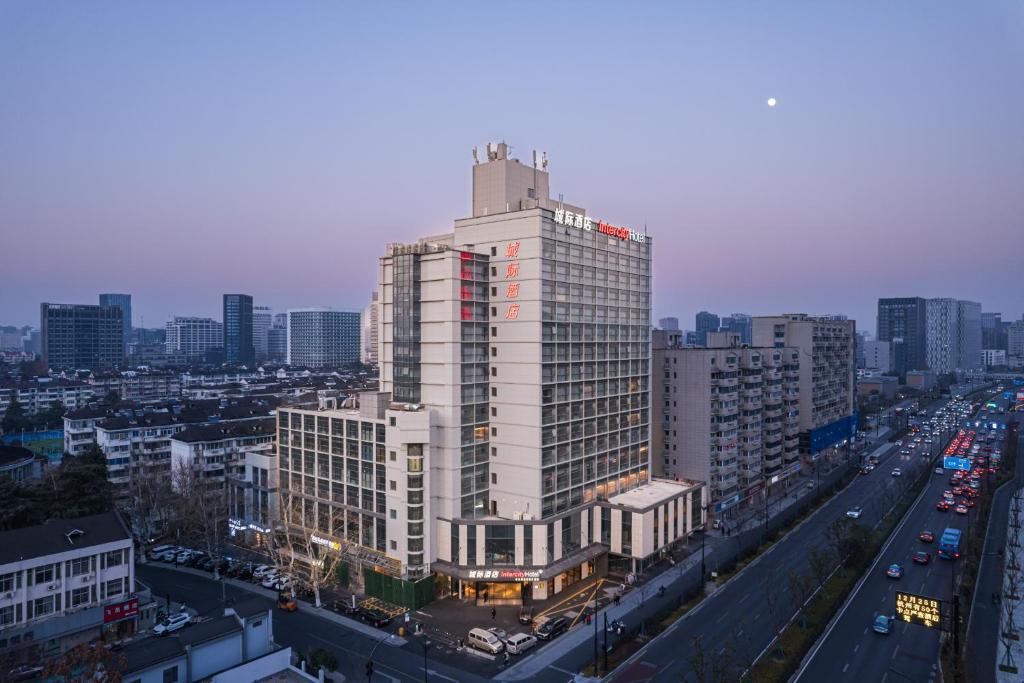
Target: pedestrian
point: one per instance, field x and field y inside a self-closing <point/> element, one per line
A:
<point x="494" y="613"/>
<point x="506" y="657"/>
<point x="485" y="597"/>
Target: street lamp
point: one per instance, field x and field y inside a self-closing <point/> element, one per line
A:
<point x="703" y="533"/>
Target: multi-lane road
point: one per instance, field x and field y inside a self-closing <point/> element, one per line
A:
<point x="850" y="649"/>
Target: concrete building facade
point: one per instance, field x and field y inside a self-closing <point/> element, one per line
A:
<point x="322" y="337"/>
<point x="727" y="414"/>
<point x="239" y="348"/>
<point x="81" y="336"/>
<point x="193" y="337"/>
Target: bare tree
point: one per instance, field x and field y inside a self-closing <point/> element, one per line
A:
<point x="301" y="547"/>
<point x="201" y="510"/>
<point x="821" y="562"/>
<point x="149" y="505"/>
<point x="800" y="588"/>
<point x="1008" y="635"/>
<point x="697" y="660"/>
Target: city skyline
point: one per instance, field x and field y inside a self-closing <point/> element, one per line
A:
<point x="880" y="163"/>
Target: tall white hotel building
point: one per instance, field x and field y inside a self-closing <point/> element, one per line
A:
<point x="508" y="447"/>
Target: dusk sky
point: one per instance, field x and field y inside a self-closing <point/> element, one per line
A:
<point x="177" y="151"/>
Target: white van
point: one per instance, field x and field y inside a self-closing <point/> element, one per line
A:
<point x="519" y="643"/>
<point x="485" y="640"/>
<point x="155" y="553"/>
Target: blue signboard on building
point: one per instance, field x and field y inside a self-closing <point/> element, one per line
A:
<point x="953" y="463"/>
<point x="727" y="503"/>
<point x="834" y="433"/>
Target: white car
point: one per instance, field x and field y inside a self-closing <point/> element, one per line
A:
<point x="260" y="571"/>
<point x="283" y="583"/>
<point x="270" y="579"/>
<point x="158" y="552"/>
<point x="169" y="555"/>
<point x="896" y="472"/>
<point x="518" y="643"/>
<point x="173" y="623"/>
<point x="855" y="512"/>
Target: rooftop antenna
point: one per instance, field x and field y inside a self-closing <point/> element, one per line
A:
<point x="544" y="161"/>
<point x="475" y="159"/>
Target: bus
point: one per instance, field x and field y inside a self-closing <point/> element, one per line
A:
<point x="949" y="544"/>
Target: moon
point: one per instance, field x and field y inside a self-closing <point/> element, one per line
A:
<point x="771" y="101"/>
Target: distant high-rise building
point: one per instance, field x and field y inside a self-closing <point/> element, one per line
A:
<point x="905" y="319"/>
<point x="670" y="323"/>
<point x="238" y="344"/>
<point x="322" y="337"/>
<point x="124" y="302"/>
<point x="368" y="356"/>
<point x="1015" y="343"/>
<point x="194" y="337"/>
<point x="993" y="332"/>
<point x="706" y="322"/>
<point x="277" y="343"/>
<point x="262" y="320"/>
<point x="740" y="323"/>
<point x="878" y="356"/>
<point x="281" y="320"/>
<point x="953" y="335"/>
<point x="81" y="336"/>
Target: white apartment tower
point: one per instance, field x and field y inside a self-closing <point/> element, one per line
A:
<point x="193" y="336"/>
<point x="368" y="355"/>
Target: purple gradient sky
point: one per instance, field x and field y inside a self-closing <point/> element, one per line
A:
<point x="180" y="150"/>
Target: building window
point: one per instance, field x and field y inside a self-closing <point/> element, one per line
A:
<point x="393" y="514"/>
<point x="7" y="583"/>
<point x="79" y="566"/>
<point x="394" y="545"/>
<point x="114" y="587"/>
<point x="44" y="574"/>
<point x="43" y="606"/>
<point x="79" y="596"/>
<point x="171" y="674"/>
<point x="115" y="558"/>
<point x="7" y="615"/>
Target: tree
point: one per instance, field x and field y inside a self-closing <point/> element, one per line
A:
<point x="111" y="398"/>
<point x="87" y="663"/>
<point x="15" y="419"/>
<point x="821" y="563"/>
<point x="149" y="505"/>
<point x="201" y="510"/>
<point x="291" y="546"/>
<point x="800" y="588"/>
<point x="82" y="486"/>
<point x="54" y="415"/>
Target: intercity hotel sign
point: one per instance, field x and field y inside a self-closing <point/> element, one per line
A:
<point x="578" y="220"/>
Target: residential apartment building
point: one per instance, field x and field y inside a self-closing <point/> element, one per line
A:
<point x="65" y="583"/>
<point x="740" y="323"/>
<point x="80" y="336"/>
<point x="124" y="302"/>
<point x="1015" y="342"/>
<point x="238" y="458"/>
<point x="39" y="395"/>
<point x="193" y="337"/>
<point x="514" y="404"/>
<point x="827" y="383"/>
<point x="904" y="320"/>
<point x="969" y="335"/>
<point x="323" y="337"/>
<point x="727" y="414"/>
<point x="141" y="386"/>
<point x="993" y="358"/>
<point x="369" y="356"/>
<point x="878" y="356"/>
<point x="238" y="330"/>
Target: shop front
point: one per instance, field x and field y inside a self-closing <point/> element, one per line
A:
<point x="519" y="585"/>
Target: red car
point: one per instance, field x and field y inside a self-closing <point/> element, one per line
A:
<point x="926" y="536"/>
<point x="921" y="557"/>
<point x="969" y="502"/>
<point x="942" y="506"/>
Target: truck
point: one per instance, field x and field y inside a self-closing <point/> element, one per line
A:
<point x="949" y="544"/>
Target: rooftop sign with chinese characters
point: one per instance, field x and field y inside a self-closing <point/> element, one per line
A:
<point x="578" y="220"/>
<point x="923" y="611"/>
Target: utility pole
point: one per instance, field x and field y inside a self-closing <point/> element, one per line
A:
<point x="605" y="641"/>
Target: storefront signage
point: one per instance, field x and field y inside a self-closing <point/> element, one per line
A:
<point x="236" y="525"/>
<point x="576" y="220"/>
<point x="524" y="575"/>
<point x="122" y="610"/>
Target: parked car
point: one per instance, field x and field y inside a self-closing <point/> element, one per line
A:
<point x="158" y="552"/>
<point x="500" y="632"/>
<point x="375" y="617"/>
<point x="260" y="570"/>
<point x="552" y="628"/>
<point x="518" y="643"/>
<point x="485" y="641"/>
<point x="173" y="623"/>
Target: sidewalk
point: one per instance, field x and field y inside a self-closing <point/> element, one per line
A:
<point x="323" y="612"/>
<point x="1010" y="652"/>
<point x="633" y="600"/>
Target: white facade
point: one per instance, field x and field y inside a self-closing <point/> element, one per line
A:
<point x="59" y="596"/>
<point x="1015" y="340"/>
<point x="953" y="335"/>
<point x="993" y="357"/>
<point x="37" y="396"/>
<point x="193" y="336"/>
<point x="369" y="339"/>
<point x="878" y="356"/>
